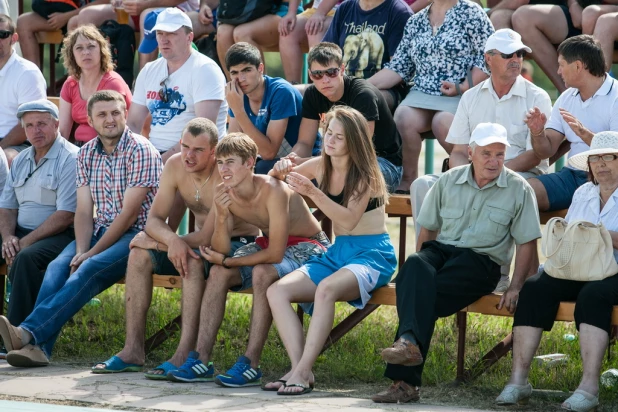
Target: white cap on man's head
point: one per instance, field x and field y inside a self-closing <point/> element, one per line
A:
<point x="487" y="133"/>
<point x="506" y="41"/>
<point x="171" y="19"/>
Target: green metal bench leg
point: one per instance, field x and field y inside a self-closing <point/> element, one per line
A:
<point x="429" y="156"/>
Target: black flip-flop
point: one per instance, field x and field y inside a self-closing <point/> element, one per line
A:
<point x="306" y="389"/>
<point x="283" y="381"/>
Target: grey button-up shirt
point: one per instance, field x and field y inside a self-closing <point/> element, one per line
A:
<point x="37" y="191"/>
<point x="488" y="220"/>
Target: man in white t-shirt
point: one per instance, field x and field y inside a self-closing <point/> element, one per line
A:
<point x="179" y="86"/>
<point x="21" y="81"/>
<point x="588" y="106"/>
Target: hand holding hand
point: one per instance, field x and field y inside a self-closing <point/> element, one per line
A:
<point x="283" y="167"/>
<point x="10" y="247"/>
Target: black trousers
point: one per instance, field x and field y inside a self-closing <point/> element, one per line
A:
<point x="541" y="295"/>
<point x="437" y="281"/>
<point x="28" y="269"/>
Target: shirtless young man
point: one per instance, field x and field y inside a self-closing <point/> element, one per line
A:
<point x="193" y="174"/>
<point x="291" y="236"/>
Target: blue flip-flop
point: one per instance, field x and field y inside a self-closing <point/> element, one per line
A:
<point x="165" y="367"/>
<point x="116" y="365"/>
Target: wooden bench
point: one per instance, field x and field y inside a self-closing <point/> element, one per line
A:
<point x="399" y="206"/>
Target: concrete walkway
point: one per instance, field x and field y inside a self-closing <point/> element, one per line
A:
<point x="131" y="391"/>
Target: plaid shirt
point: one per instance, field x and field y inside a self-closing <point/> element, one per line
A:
<point x="134" y="163"/>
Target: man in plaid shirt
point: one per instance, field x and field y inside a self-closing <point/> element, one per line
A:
<point x="118" y="172"/>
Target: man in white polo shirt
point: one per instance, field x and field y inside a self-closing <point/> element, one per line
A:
<point x="21" y="82"/>
<point x="179" y="86"/>
<point x="588" y="106"/>
<point x="505" y="98"/>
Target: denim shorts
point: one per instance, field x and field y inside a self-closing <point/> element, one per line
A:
<point x="371" y="258"/>
<point x="161" y="264"/>
<point x="561" y="186"/>
<point x="293" y="258"/>
<point x="392" y="174"/>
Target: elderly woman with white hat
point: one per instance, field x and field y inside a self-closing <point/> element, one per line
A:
<point x="540" y="297"/>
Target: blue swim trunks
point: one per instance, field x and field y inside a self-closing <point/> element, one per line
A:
<point x="371" y="258"/>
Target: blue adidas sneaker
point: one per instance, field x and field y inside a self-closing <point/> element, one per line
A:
<point x="240" y="375"/>
<point x="193" y="370"/>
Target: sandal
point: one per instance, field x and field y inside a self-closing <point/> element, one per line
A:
<point x="306" y="389"/>
<point x="116" y="365"/>
<point x="165" y="367"/>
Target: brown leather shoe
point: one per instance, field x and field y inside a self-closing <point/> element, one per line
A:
<point x="403" y="353"/>
<point x="398" y="392"/>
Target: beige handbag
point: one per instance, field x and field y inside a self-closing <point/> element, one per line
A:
<point x="578" y="250"/>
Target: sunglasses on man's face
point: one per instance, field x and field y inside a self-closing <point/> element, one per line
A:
<point x="318" y="74"/>
<point x="5" y="34"/>
<point x="519" y="53"/>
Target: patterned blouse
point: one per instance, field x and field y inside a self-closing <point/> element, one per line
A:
<point x="458" y="46"/>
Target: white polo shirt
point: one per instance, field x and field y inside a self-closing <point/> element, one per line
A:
<point x="481" y="104"/>
<point x="599" y="113"/>
<point x="21" y="81"/>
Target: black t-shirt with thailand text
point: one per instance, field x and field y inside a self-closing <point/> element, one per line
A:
<point x="367" y="99"/>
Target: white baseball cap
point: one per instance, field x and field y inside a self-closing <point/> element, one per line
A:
<point x="506" y="41"/>
<point x="487" y="133"/>
<point x="171" y="19"/>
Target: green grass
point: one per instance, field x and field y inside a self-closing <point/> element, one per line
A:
<point x="352" y="366"/>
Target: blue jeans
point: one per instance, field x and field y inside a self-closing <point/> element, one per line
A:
<point x="62" y="295"/>
<point x="392" y="174"/>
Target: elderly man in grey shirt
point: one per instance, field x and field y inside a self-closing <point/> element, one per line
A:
<point x="470" y="222"/>
<point x="37" y="205"/>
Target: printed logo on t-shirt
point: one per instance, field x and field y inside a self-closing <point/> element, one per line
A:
<point x="362" y="50"/>
<point x="163" y="112"/>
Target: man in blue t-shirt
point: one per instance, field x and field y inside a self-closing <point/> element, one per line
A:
<point x="268" y="109"/>
<point x="369" y="32"/>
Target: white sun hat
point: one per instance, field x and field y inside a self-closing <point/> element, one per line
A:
<point x="602" y="143"/>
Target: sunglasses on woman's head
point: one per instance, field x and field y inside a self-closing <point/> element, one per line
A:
<point x="5" y="34"/>
<point x="519" y="53"/>
<point x="318" y="74"/>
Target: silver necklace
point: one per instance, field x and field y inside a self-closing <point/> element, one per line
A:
<point x="197" y="191"/>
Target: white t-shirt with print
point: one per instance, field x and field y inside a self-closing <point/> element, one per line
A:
<point x="197" y="80"/>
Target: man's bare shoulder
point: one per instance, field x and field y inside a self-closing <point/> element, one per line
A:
<point x="271" y="185"/>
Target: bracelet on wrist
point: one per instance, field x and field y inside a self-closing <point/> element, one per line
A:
<point x="541" y="133"/>
<point x="223" y="263"/>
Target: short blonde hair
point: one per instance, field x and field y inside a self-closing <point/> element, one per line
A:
<point x="90" y="32"/>
<point x="237" y="144"/>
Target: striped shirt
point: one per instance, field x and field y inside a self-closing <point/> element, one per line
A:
<point x="134" y="163"/>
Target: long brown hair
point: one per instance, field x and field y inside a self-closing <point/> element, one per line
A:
<point x="364" y="172"/>
<point x="90" y="32"/>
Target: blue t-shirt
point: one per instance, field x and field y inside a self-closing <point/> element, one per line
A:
<point x="368" y="38"/>
<point x="281" y="100"/>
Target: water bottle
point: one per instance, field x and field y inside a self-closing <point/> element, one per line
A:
<point x="569" y="337"/>
<point x="94" y="302"/>
<point x="609" y="378"/>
